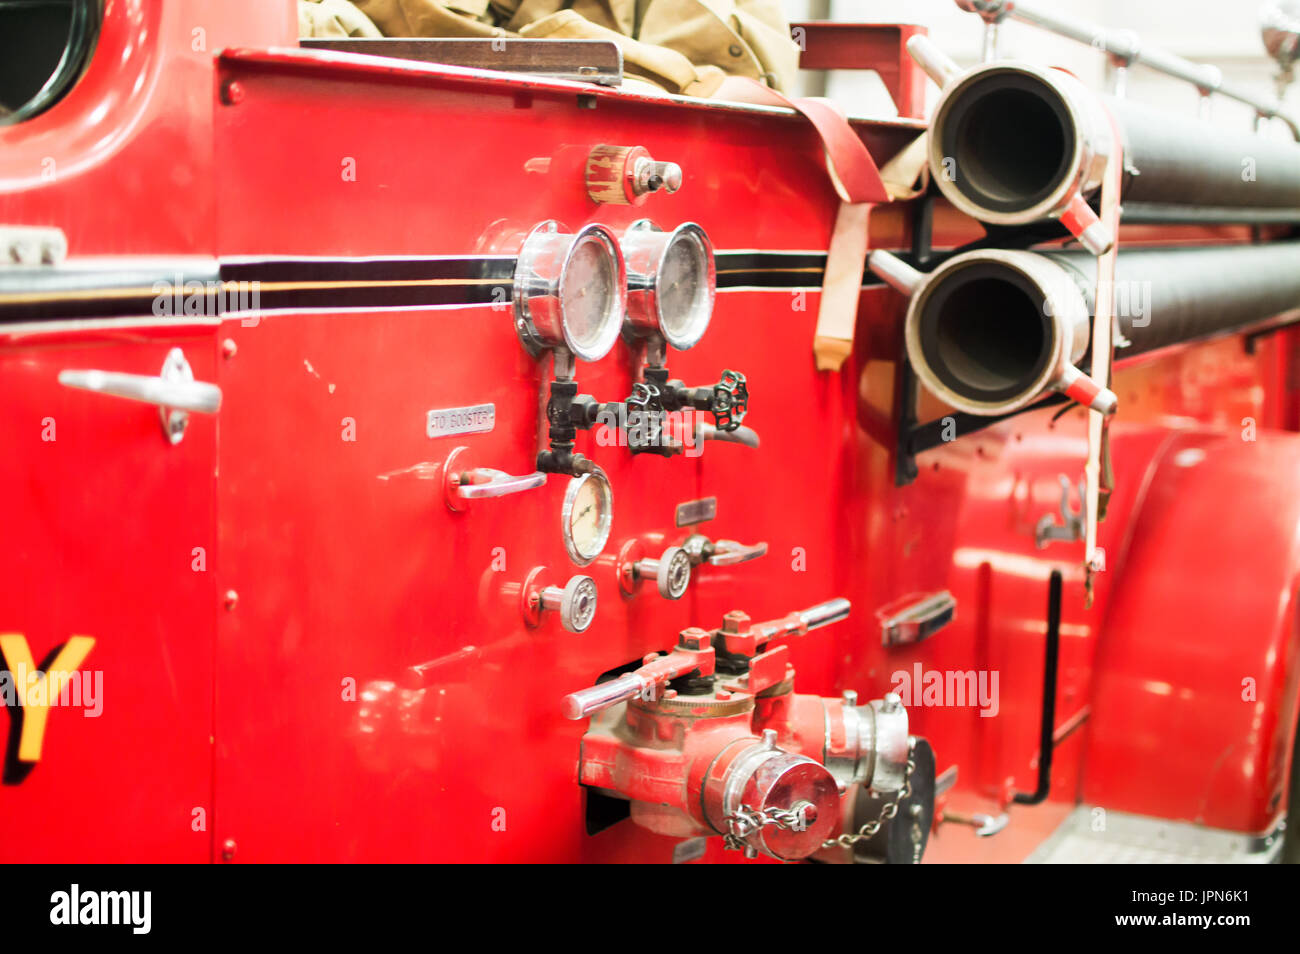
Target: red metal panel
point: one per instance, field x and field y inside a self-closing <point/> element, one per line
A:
<point x="399" y="203"/>
<point x="110" y="534"/>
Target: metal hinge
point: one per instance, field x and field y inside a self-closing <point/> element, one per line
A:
<point x="29" y="245"/>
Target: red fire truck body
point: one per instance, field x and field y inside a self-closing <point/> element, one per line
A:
<point x="308" y="654"/>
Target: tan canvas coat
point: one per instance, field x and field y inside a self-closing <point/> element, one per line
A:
<point x="682" y="46"/>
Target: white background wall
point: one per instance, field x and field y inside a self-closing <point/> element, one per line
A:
<point x="1222" y="32"/>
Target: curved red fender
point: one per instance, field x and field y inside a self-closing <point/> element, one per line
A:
<point x="1194" y="699"/>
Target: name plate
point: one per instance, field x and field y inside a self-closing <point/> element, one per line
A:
<point x="696" y="511"/>
<point x="477" y="419"/>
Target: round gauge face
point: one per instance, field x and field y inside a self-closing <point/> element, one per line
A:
<point x="682" y="283"/>
<point x="588" y="292"/>
<point x="588" y="513"/>
<point x="684" y="287"/>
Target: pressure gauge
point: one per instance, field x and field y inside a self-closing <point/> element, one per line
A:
<point x="587" y="515"/>
<point x="671" y="280"/>
<point x="570" y="290"/>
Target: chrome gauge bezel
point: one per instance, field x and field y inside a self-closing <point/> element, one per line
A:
<point x="542" y="316"/>
<point x="601" y="482"/>
<point x="645" y="249"/>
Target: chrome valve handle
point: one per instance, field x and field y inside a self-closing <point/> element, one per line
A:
<point x="722" y="552"/>
<point x="796" y="624"/>
<point x="740" y="635"/>
<point x="694" y="651"/>
<point x="486" y="482"/>
<point x="587" y="702"/>
<point x="729" y="553"/>
<point x="823" y="614"/>
<point x="461" y="484"/>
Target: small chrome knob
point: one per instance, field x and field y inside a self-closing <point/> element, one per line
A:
<point x="671" y="572"/>
<point x="651" y="176"/>
<point x="627" y="175"/>
<point x="575" y="601"/>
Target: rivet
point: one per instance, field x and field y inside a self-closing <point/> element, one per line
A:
<point x="228" y="849"/>
<point x="228" y="348"/>
<point x="232" y="94"/>
<point x="232" y="599"/>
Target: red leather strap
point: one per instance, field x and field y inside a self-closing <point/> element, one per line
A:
<point x="857" y="181"/>
<point x="850" y="166"/>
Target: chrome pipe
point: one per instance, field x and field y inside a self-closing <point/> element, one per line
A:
<point x="990" y="331"/>
<point x="1012" y="143"/>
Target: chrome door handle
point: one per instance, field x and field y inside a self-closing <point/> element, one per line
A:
<point x="486" y="482"/>
<point x="173" y="391"/>
<point x="729" y="553"/>
<point x="915" y="617"/>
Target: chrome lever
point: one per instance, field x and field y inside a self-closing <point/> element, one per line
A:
<point x="730" y="552"/>
<point x="174" y="391"/>
<point x="486" y="482"/>
<point x="461" y="484"/>
<point x="720" y="553"/>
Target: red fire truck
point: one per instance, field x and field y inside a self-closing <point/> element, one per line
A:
<point x="436" y="451"/>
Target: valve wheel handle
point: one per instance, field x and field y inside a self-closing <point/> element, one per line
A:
<point x="645" y="410"/>
<point x="730" y="401"/>
<point x="644" y="397"/>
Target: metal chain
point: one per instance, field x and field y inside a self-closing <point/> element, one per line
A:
<point x="746" y="820"/>
<point x="887" y="811"/>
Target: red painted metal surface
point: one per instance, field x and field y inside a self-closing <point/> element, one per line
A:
<point x="1186" y="725"/>
<point x="369" y="690"/>
<point x="110" y="533"/>
<point x="876" y="46"/>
